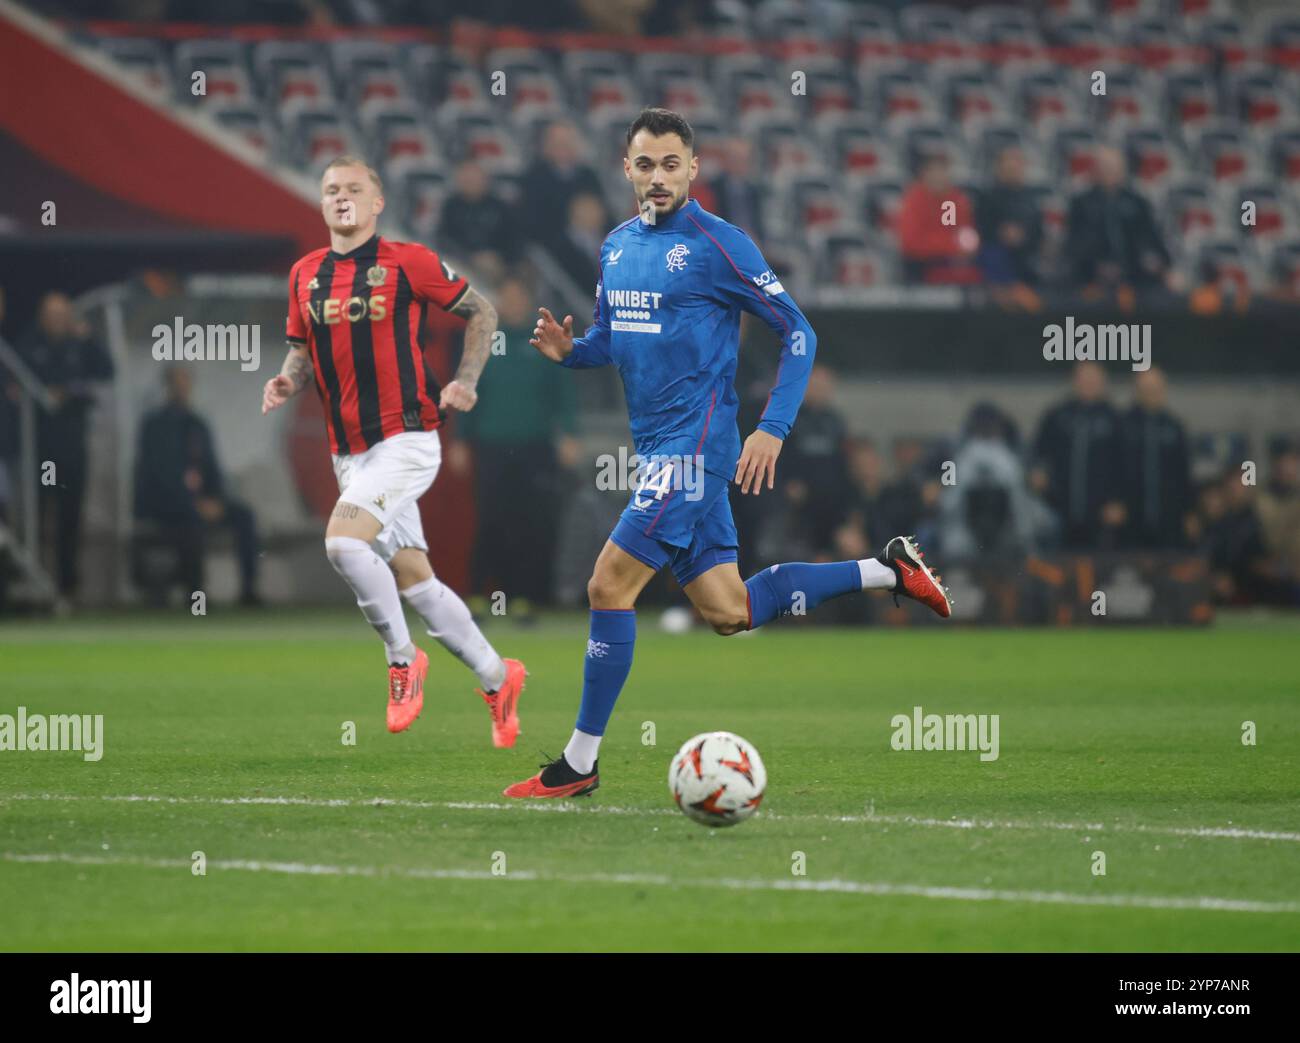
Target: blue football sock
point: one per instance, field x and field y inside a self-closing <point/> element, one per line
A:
<point x="798" y="586"/>
<point x="608" y="662"/>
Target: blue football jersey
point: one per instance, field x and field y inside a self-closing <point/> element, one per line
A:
<point x="667" y="315"/>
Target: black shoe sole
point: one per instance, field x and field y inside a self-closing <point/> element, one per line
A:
<point x="587" y="791"/>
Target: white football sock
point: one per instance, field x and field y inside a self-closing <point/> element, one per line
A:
<point x="448" y="619"/>
<point x="581" y="751"/>
<point x="376" y="590"/>
<point x="876" y="576"/>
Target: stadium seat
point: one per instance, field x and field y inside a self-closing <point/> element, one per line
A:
<point x="424" y="71"/>
<point x="881" y="198"/>
<point x="1190" y="212"/>
<point x="424" y="189"/>
<point x="1153" y="158"/>
<point x="1284" y="155"/>
<point x="351" y="58"/>
<point x="1221" y="150"/>
<point x="251" y="127"/>
<point x="1074" y="154"/>
<point x="1190" y="99"/>
<point x="146" y="59"/>
<point x="1230" y="261"/>
<point x="851" y="262"/>
<point x="225" y="67"/>
<point x="1274" y="220"/>
<point x="318" y="135"/>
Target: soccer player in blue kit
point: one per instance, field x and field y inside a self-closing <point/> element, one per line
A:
<point x="673" y="281"/>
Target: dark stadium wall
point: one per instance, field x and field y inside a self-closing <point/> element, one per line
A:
<point x="989" y="342"/>
<point x="101" y="133"/>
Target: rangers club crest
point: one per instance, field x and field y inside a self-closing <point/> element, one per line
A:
<point x="377" y="275"/>
<point x="676" y="258"/>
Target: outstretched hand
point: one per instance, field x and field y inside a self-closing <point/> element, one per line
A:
<point x="550" y="338"/>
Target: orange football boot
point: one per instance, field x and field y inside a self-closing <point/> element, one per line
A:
<point x="557" y="779"/>
<point x="915" y="580"/>
<point x="406" y="692"/>
<point x="504" y="704"/>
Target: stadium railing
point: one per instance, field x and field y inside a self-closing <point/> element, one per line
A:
<point x="21" y="540"/>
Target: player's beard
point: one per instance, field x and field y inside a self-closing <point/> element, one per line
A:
<point x="676" y="204"/>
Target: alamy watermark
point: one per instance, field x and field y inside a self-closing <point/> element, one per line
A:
<point x="38" y="732"/>
<point x="71" y="995"/>
<point x="953" y="731"/>
<point x="231" y="342"/>
<point x="1086" y="342"/>
<point x="652" y="477"/>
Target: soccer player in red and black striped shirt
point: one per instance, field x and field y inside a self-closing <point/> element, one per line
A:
<point x="356" y="311"/>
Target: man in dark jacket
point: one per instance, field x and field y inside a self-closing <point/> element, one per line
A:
<point x="1157" y="468"/>
<point x="1112" y="239"/>
<point x="1010" y="223"/>
<point x="179" y="487"/>
<point x="68" y="362"/>
<point x="1079" y="464"/>
<point x="475" y="219"/>
<point x="553" y="180"/>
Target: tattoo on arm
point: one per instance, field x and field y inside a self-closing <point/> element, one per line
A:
<point x="481" y="324"/>
<point x="297" y="367"/>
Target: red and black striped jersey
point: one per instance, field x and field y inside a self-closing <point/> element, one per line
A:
<point x="361" y="314"/>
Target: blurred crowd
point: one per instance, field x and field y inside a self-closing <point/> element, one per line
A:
<point x="1094" y="477"/>
<point x="1113" y="249"/>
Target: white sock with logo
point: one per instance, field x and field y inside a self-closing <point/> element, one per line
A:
<point x="875" y="575"/>
<point x="370" y="579"/>
<point x="447" y="618"/>
<point x="582" y="751"/>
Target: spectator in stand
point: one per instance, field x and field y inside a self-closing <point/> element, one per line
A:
<point x="911" y="500"/>
<point x="735" y="190"/>
<point x="1278" y="504"/>
<point x="1284" y="275"/>
<point x="989" y="511"/>
<point x="9" y="398"/>
<point x="578" y="250"/>
<point x="180" y="489"/>
<point x="1113" y="243"/>
<point x="814" y="460"/>
<point x="68" y="362"/>
<point x="475" y="220"/>
<point x="556" y="176"/>
<point x="936" y="228"/>
<point x="523" y="437"/>
<point x="1078" y="464"/>
<point x="864" y="509"/>
<point x="1242" y="571"/>
<point x="1222" y="288"/>
<point x="1157" y="468"/>
<point x="1010" y="224"/>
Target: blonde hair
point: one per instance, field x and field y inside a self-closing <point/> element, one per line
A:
<point x="349" y="160"/>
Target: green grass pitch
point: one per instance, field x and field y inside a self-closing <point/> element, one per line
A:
<point x="1125" y="742"/>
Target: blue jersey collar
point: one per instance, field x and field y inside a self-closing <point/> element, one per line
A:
<point x="679" y="220"/>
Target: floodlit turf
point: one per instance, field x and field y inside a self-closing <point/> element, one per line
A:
<point x="1126" y="742"/>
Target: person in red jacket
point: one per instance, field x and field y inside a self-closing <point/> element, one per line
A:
<point x="936" y="228"/>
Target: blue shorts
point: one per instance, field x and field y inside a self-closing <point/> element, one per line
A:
<point x="691" y="530"/>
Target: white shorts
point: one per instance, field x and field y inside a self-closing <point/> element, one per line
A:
<point x="386" y="481"/>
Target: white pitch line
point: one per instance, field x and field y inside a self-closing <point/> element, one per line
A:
<point x="834" y="886"/>
<point x="570" y="807"/>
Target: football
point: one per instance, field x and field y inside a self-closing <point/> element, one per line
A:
<point x="717" y="779"/>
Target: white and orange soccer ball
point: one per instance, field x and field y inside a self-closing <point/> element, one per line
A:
<point x="717" y="778"/>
